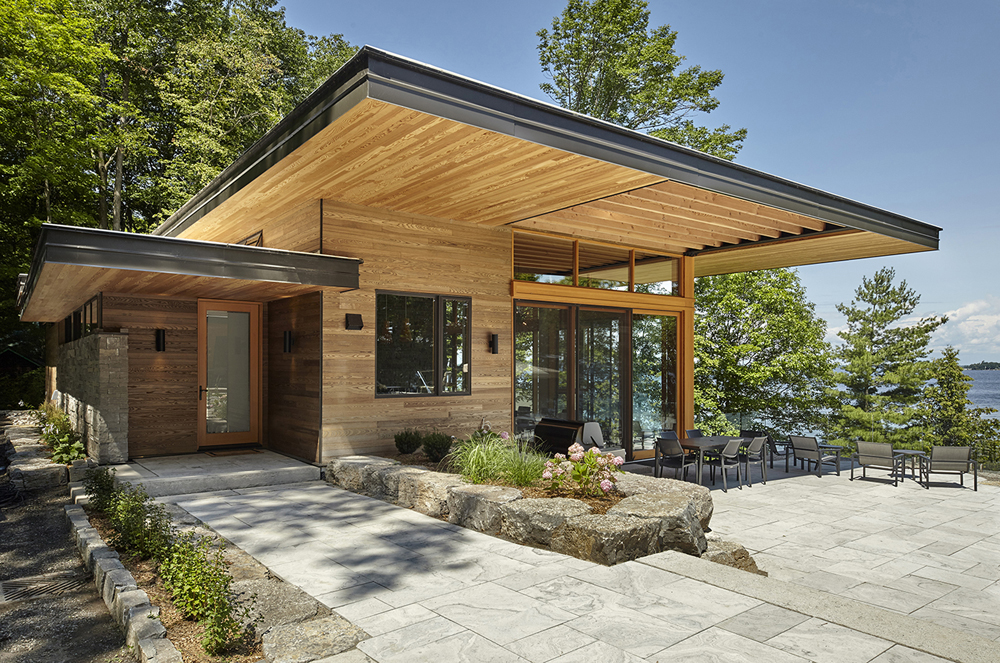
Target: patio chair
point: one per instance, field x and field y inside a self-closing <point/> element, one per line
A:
<point x="591" y="436"/>
<point x="774" y="448"/>
<point x="752" y="454"/>
<point x="693" y="432"/>
<point x="878" y="455"/>
<point x="949" y="460"/>
<point x="806" y="450"/>
<point x="670" y="454"/>
<point x="728" y="458"/>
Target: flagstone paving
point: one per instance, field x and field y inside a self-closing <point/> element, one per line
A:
<point x="932" y="554"/>
<point x="426" y="590"/>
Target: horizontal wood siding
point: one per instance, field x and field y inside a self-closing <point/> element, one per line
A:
<point x="410" y="253"/>
<point x="162" y="386"/>
<point x="294" y="229"/>
<point x="293" y="381"/>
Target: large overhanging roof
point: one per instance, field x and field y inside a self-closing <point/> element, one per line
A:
<point x="70" y="265"/>
<point x="388" y="132"/>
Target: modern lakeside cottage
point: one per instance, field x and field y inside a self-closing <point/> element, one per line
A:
<point x="411" y="248"/>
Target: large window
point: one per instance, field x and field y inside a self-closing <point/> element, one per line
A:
<point x="422" y="345"/>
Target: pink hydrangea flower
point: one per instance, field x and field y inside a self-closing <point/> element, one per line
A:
<point x="576" y="448"/>
<point x="606" y="486"/>
<point x="505" y="435"/>
<point x="546" y="474"/>
<point x="619" y="461"/>
<point x="560" y="457"/>
<point x="576" y="458"/>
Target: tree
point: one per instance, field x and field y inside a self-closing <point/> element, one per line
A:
<point x="883" y="364"/>
<point x="948" y="417"/>
<point x="763" y="363"/>
<point x="605" y="61"/>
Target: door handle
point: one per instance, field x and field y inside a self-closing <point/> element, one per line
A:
<point x="201" y="390"/>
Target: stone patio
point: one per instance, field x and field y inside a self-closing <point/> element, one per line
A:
<point x="427" y="590"/>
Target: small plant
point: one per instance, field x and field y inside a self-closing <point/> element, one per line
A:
<point x="99" y="484"/>
<point x="196" y="576"/>
<point x="67" y="449"/>
<point x="487" y="456"/>
<point x="141" y="526"/>
<point x="590" y="472"/>
<point x="437" y="446"/>
<point x="408" y="441"/>
<point x="58" y="434"/>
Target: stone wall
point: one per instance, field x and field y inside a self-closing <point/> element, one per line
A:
<point x="93" y="390"/>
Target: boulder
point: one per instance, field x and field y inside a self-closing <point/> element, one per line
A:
<point x="636" y="484"/>
<point x="389" y="477"/>
<point x="371" y="478"/>
<point x="348" y="471"/>
<point x="158" y="650"/>
<point x="427" y="492"/>
<point x="605" y="539"/>
<point x="731" y="554"/>
<point x="312" y="640"/>
<point x="479" y="507"/>
<point x="533" y="520"/>
<point x="672" y="514"/>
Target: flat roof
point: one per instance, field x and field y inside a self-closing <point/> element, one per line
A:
<point x="608" y="173"/>
<point x="72" y="264"/>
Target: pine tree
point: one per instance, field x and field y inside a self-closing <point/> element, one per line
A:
<point x="883" y="364"/>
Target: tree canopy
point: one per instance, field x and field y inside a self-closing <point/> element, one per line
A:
<point x="883" y="364"/>
<point x="605" y="61"/>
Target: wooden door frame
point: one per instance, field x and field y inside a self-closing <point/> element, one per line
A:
<point x="255" y="309"/>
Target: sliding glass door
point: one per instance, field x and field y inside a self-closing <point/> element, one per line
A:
<point x="654" y="379"/>
<point x="601" y="348"/>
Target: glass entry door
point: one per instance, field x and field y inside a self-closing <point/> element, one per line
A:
<point x="229" y="358"/>
<point x="601" y="348"/>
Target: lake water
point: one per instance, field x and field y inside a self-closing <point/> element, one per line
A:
<point x="985" y="389"/>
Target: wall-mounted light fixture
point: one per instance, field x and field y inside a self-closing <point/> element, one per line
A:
<point x="161" y="340"/>
<point x="287" y="342"/>
<point x="494" y="344"/>
<point x="354" y="321"/>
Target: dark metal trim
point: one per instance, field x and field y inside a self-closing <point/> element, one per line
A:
<point x="381" y="75"/>
<point x="109" y="249"/>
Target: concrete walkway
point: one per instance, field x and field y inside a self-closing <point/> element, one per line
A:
<point x="425" y="590"/>
<point x="933" y="554"/>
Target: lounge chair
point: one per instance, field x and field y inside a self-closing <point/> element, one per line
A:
<point x="728" y="458"/>
<point x="806" y="450"/>
<point x="670" y="454"/>
<point x="878" y="455"/>
<point x="949" y="460"/>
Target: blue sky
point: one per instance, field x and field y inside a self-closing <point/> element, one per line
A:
<point x="893" y="103"/>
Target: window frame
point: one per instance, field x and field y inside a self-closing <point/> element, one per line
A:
<point x="438" y="344"/>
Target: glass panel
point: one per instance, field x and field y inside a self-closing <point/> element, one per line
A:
<point x="604" y="267"/>
<point x="404" y="354"/>
<point x="543" y="259"/>
<point x="456" y="340"/>
<point x="541" y="378"/>
<point x="599" y="370"/>
<point x="654" y="377"/>
<point x="655" y="274"/>
<point x="228" y="363"/>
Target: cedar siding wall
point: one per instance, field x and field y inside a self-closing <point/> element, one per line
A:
<point x="297" y="229"/>
<point x="162" y="386"/>
<point x="410" y="253"/>
<point x="293" y="379"/>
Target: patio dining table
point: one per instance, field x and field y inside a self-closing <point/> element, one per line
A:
<point x="703" y="444"/>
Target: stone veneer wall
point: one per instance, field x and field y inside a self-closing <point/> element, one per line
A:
<point x="92" y="388"/>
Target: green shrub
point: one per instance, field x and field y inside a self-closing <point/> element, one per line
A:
<point x="437" y="446"/>
<point x="99" y="484"/>
<point x="141" y="526"/>
<point x="58" y="434"/>
<point x="486" y="456"/>
<point x="196" y="576"/>
<point x="66" y="450"/>
<point x="988" y="454"/>
<point x="408" y="441"/>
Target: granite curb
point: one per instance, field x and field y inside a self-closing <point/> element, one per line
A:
<point x="129" y="606"/>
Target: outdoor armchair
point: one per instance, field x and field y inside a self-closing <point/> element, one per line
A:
<point x="878" y="455"/>
<point x="806" y="450"/>
<point x="670" y="454"/>
<point x="693" y="432"/>
<point x="774" y="448"/>
<point x="949" y="460"/>
<point x="753" y="453"/>
<point x="728" y="458"/>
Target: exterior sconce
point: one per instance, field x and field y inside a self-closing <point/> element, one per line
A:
<point x="287" y="342"/>
<point x="494" y="344"/>
<point x="354" y="321"/>
<point x="161" y="340"/>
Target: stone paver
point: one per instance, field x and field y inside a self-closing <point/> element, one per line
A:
<point x="932" y="554"/>
<point x="426" y="590"/>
